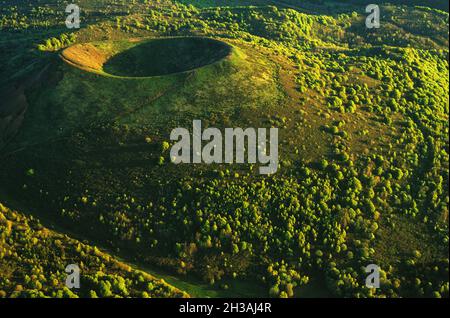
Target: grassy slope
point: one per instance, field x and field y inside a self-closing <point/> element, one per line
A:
<point x="90" y="98"/>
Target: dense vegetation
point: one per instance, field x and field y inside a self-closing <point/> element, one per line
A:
<point x="363" y="177"/>
<point x="33" y="261"/>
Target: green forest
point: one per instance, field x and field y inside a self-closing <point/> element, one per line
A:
<point x="85" y="170"/>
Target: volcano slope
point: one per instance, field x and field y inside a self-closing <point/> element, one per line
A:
<point x="363" y="145"/>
